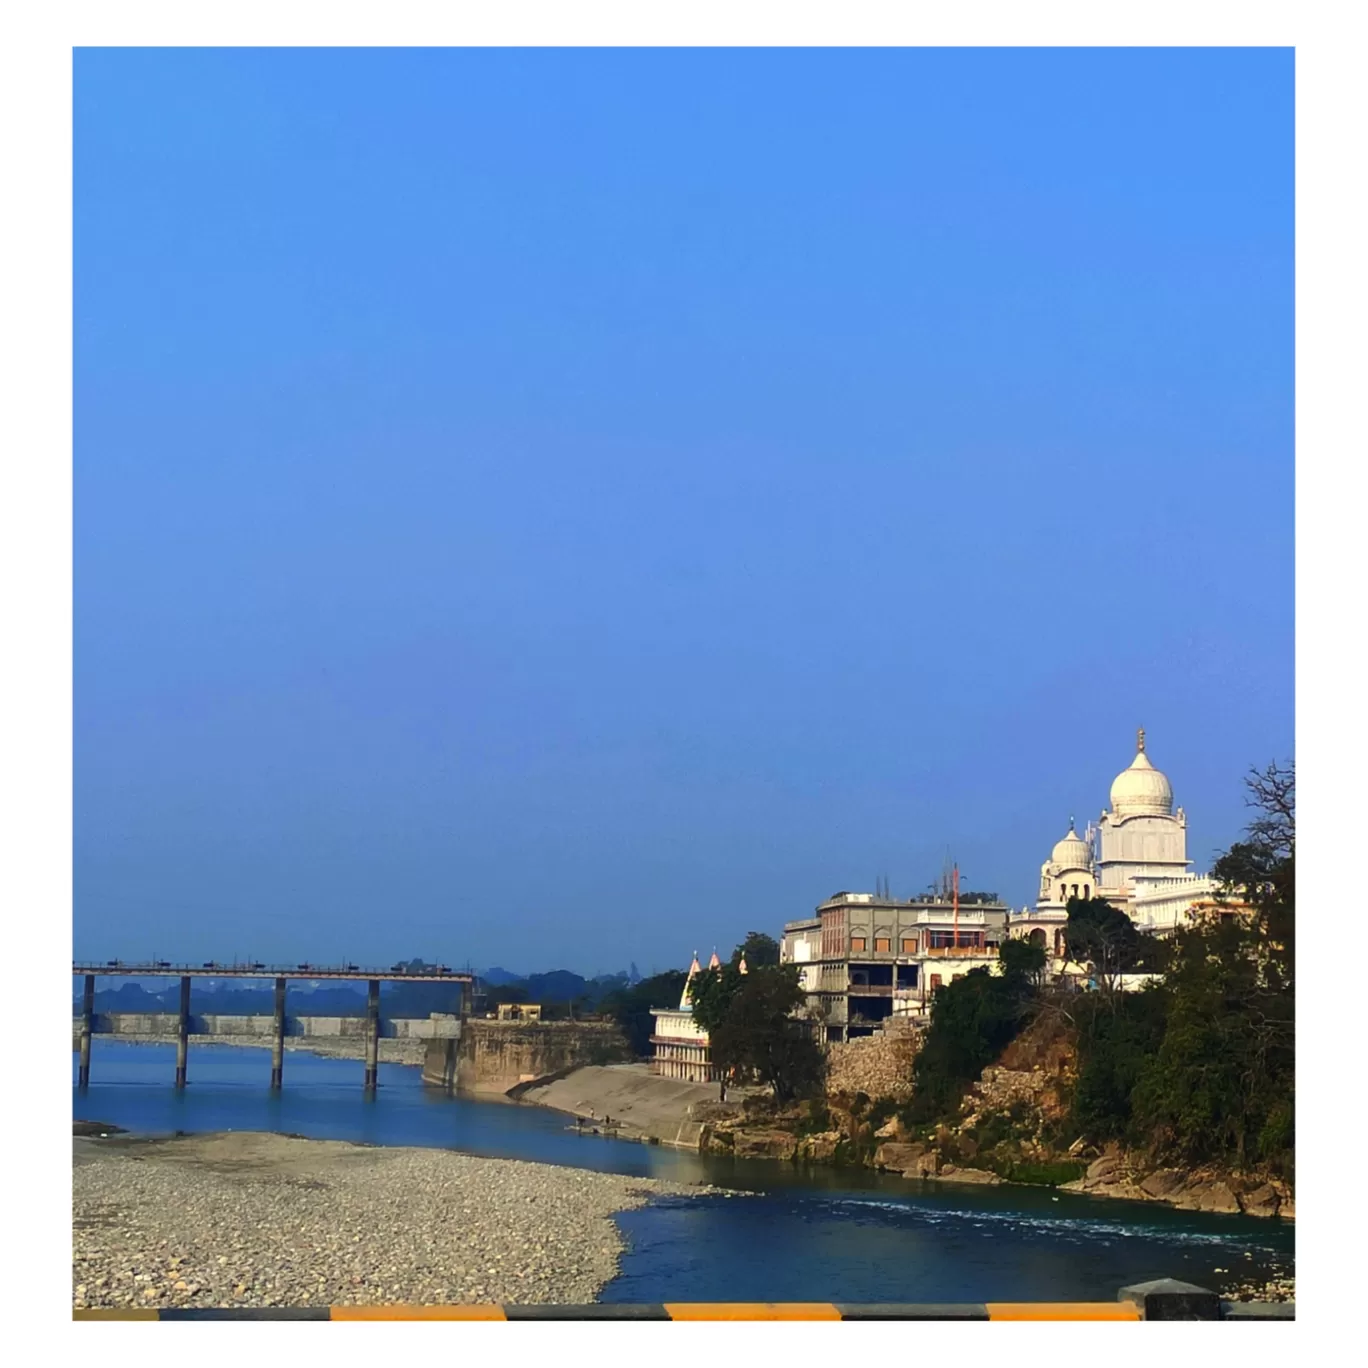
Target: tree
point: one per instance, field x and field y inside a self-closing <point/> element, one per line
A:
<point x="752" y="1029"/>
<point x="1105" y="939"/>
<point x="758" y="949"/>
<point x="973" y="1019"/>
<point x="631" y="1007"/>
<point x="710" y="994"/>
<point x="1022" y="960"/>
<point x="1221" y="1085"/>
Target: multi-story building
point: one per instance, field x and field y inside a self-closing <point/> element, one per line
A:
<point x="865" y="957"/>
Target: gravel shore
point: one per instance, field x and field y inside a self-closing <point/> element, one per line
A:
<point x="243" y="1219"/>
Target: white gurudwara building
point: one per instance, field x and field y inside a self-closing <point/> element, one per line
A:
<point x="1135" y="857"/>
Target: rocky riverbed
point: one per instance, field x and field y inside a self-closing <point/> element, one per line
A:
<point x="245" y="1219"/>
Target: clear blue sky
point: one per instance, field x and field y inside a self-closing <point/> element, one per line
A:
<point x="557" y="509"/>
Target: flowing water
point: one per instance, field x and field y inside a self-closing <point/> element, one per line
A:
<point x="802" y="1235"/>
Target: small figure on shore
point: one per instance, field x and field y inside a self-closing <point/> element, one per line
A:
<point x="722" y="1094"/>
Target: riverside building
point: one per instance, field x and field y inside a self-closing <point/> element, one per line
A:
<point x="679" y="1045"/>
<point x="866" y="957"/>
<point x="1134" y="856"/>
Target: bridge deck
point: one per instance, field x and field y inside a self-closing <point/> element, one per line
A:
<point x="163" y="969"/>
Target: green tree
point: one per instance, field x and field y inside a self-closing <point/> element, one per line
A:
<point x="1022" y="961"/>
<point x="1105" y="939"/>
<point x="631" y="1006"/>
<point x="759" y="950"/>
<point x="752" y="1027"/>
<point x="1221" y="1085"/>
<point x="1116" y="1042"/>
<point x="973" y="1019"/>
<point x="711" y="992"/>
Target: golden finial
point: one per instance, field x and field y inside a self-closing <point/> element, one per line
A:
<point x="1140" y="740"/>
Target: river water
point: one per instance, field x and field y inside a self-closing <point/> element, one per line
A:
<point x="805" y="1235"/>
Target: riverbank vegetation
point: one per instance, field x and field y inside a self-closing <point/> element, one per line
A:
<point x="1196" y="1068"/>
<point x="754" y="1032"/>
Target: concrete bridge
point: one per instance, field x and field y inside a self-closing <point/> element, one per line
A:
<point x="180" y="1026"/>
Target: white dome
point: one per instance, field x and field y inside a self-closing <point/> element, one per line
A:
<point x="1142" y="788"/>
<point x="1073" y="852"/>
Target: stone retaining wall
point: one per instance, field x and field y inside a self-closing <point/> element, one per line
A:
<point x="878" y="1066"/>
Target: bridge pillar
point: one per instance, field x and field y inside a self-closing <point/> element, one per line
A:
<point x="87" y="1023"/>
<point x="183" y="1032"/>
<point x="372" y="1034"/>
<point x="278" y="1043"/>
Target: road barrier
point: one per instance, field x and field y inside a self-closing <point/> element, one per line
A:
<point x="1165" y="1299"/>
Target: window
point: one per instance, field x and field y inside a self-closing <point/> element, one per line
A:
<point x="1075" y="890"/>
<point x="909" y="945"/>
<point x="881" y="943"/>
<point x="1085" y="891"/>
<point x="857" y="942"/>
<point x="1063" y="892"/>
<point x="935" y="982"/>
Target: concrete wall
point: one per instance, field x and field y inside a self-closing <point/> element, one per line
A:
<point x="494" y="1056"/>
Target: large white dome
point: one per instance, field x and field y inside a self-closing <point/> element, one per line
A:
<point x="1073" y="852"/>
<point x="1142" y="788"/>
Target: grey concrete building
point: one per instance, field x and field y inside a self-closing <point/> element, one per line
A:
<point x="865" y="957"/>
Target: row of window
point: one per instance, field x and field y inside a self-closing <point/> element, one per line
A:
<point x="935" y="940"/>
<point x="882" y="944"/>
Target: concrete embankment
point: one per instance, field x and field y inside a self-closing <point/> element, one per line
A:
<point x="496" y="1056"/>
<point x="246" y="1219"/>
<point x="641" y="1104"/>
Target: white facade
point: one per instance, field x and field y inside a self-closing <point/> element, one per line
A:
<point x="1135" y="857"/>
<point x="679" y="1045"/>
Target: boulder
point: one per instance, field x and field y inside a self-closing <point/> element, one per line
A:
<point x="1263" y="1201"/>
<point x="898" y="1156"/>
<point x="1102" y="1168"/>
<point x="1287" y="1209"/>
<point x="714" y="1111"/>
<point x="819" y="1149"/>
<point x="763" y="1144"/>
<point x="1209" y="1196"/>
<point x="1119" y="1188"/>
<point x="925" y="1167"/>
<point x="950" y="1173"/>
<point x="890" y="1130"/>
<point x="1163" y="1183"/>
<point x="713" y="1139"/>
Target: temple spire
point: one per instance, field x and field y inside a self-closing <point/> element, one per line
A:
<point x="1140" y="741"/>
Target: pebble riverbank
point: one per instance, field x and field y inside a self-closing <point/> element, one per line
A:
<point x="243" y="1219"/>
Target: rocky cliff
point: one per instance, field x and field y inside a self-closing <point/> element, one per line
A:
<point x="1013" y="1126"/>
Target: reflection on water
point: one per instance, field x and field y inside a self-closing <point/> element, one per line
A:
<point x="815" y="1234"/>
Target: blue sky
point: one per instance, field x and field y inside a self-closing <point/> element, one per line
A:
<point x="564" y="508"/>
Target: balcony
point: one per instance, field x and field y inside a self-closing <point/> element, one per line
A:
<point x="961" y="951"/>
<point x="870" y="990"/>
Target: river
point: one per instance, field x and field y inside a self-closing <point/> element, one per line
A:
<point x="805" y="1235"/>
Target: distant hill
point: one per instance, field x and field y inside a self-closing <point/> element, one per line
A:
<point x="498" y="977"/>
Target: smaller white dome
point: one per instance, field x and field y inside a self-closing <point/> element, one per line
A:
<point x="1073" y="852"/>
